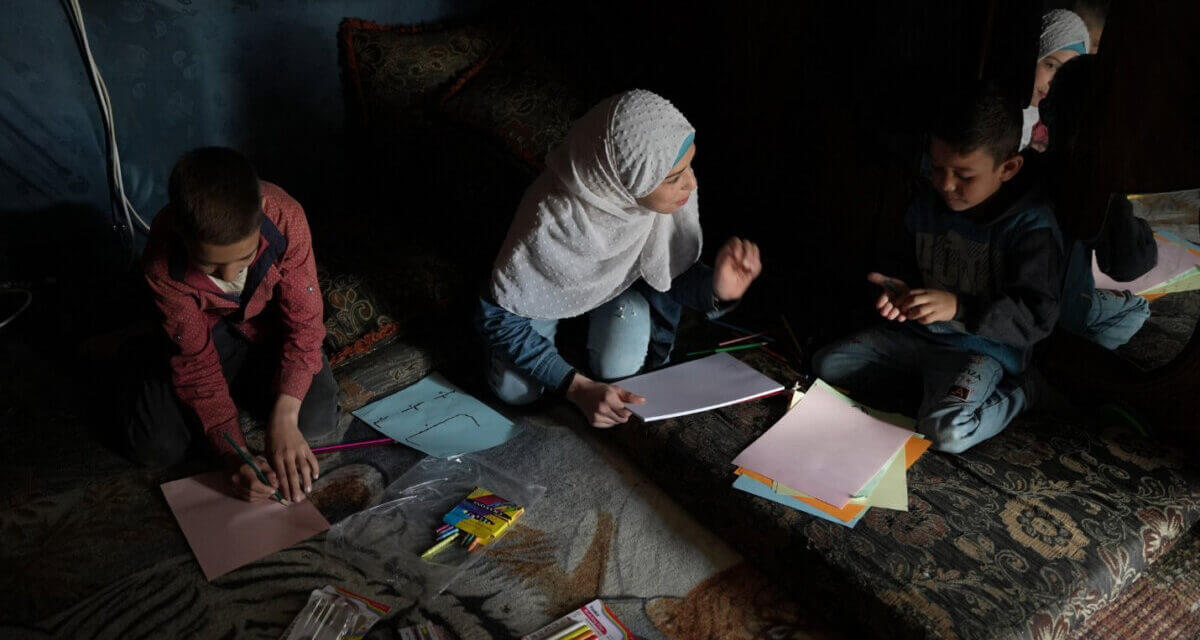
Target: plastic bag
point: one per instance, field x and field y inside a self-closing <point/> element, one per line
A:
<point x="334" y="613"/>
<point x="387" y="540"/>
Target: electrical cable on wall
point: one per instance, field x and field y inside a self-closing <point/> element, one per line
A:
<point x="24" y="305"/>
<point x="124" y="214"/>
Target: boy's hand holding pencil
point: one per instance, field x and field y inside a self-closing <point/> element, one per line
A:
<point x="254" y="480"/>
<point x="247" y="486"/>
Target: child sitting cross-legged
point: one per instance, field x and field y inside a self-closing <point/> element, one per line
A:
<point x="973" y="285"/>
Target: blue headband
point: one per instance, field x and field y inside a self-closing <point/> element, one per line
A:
<point x="1077" y="47"/>
<point x="687" y="143"/>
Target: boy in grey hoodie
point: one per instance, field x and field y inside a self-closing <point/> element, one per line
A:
<point x="968" y="290"/>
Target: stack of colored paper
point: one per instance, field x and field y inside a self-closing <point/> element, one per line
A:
<point x="1176" y="270"/>
<point x="832" y="458"/>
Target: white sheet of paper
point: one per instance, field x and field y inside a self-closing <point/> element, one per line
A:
<point x="700" y="385"/>
<point x="1173" y="259"/>
<point x="824" y="447"/>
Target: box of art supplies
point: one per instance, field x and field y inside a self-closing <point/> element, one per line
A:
<point x="413" y="535"/>
<point x="334" y="613"/>
<point x="424" y="631"/>
<point x="592" y="621"/>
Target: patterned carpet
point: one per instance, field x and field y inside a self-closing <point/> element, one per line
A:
<point x="90" y="550"/>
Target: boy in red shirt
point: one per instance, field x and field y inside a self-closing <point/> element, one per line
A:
<point x="230" y="264"/>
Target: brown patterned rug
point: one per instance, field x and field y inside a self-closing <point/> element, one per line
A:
<point x="1163" y="604"/>
<point x="89" y="549"/>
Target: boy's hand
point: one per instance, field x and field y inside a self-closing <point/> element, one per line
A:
<point x="737" y="266"/>
<point x="894" y="291"/>
<point x="602" y="404"/>
<point x="290" y="456"/>
<point x="246" y="484"/>
<point x="929" y="305"/>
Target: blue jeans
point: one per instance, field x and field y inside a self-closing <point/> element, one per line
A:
<point x="1114" y="317"/>
<point x="618" y="338"/>
<point x="965" y="397"/>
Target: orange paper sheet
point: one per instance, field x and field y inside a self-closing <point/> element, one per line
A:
<point x="914" y="448"/>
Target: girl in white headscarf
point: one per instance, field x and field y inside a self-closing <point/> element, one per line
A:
<point x="610" y="229"/>
<point x="1064" y="37"/>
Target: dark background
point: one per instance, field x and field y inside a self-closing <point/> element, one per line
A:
<point x="809" y="114"/>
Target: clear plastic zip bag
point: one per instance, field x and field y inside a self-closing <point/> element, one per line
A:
<point x="387" y="540"/>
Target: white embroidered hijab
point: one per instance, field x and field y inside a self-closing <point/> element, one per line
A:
<point x="579" y="238"/>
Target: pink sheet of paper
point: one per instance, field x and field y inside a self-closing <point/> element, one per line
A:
<point x="1173" y="259"/>
<point x="226" y="532"/>
<point x="824" y="447"/>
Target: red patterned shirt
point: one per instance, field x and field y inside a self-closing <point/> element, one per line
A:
<point x="282" y="278"/>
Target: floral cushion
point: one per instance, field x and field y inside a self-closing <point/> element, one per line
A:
<point x="352" y="313"/>
<point x="1024" y="536"/>
<point x="389" y="70"/>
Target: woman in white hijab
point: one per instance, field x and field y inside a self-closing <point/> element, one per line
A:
<point x="610" y="229"/>
<point x="1064" y="37"/>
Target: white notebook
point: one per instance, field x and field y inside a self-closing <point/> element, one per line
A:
<point x="700" y="385"/>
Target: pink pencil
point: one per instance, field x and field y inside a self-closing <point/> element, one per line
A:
<point x="741" y="339"/>
<point x="351" y="445"/>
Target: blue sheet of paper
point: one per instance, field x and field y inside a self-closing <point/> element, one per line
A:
<point x="437" y="418"/>
<point x="761" y="490"/>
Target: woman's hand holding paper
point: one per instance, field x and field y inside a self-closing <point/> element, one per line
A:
<point x="602" y="404"/>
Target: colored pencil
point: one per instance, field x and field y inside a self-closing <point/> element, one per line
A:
<point x="741" y="339"/>
<point x="792" y="336"/>
<point x="352" y="445"/>
<point x="740" y="347"/>
<point x="776" y="355"/>
<point x="262" y="477"/>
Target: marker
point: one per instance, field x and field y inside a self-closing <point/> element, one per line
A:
<point x="439" y="546"/>
<point x="562" y="634"/>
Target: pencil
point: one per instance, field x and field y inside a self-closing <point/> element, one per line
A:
<point x="792" y="336"/>
<point x="262" y="477"/>
<point x="741" y="339"/>
<point x="753" y="345"/>
<point x="352" y="445"/>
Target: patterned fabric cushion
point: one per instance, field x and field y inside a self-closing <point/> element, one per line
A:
<point x="352" y="312"/>
<point x="526" y="107"/>
<point x="1024" y="536"/>
<point x="388" y="70"/>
